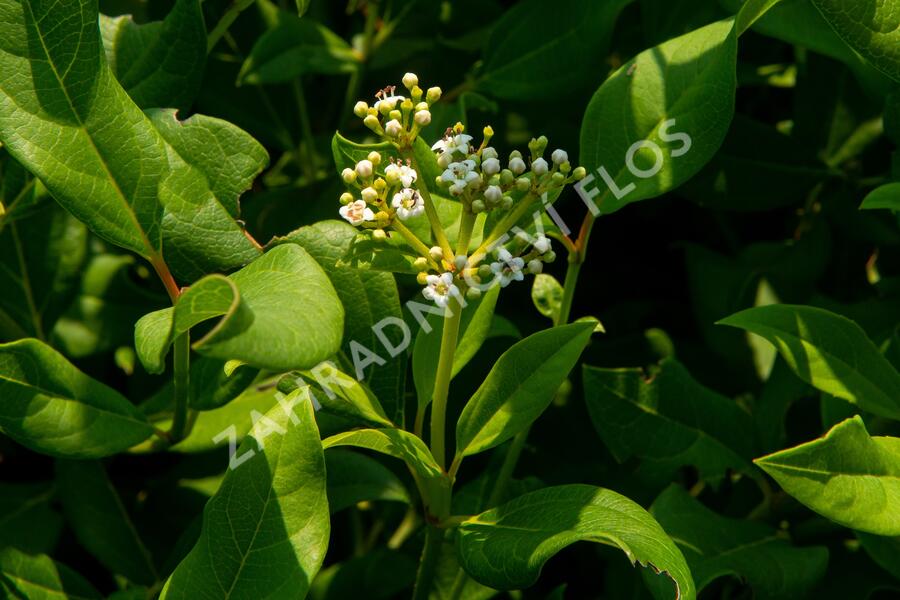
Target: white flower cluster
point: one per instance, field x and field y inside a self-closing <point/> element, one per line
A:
<point x="396" y="117"/>
<point x="396" y="185"/>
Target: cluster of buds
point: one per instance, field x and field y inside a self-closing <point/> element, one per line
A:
<point x="399" y="118"/>
<point x="388" y="191"/>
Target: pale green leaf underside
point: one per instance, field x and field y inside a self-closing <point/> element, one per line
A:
<point x="871" y="27"/>
<point x="506" y="547"/>
<point x="846" y="476"/>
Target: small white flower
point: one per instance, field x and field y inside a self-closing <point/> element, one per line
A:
<point x="440" y="288"/>
<point x="539" y="166"/>
<point x="460" y="175"/>
<point x="387" y="103"/>
<point x="559" y="156"/>
<point x="488" y="152"/>
<point x="422" y="118"/>
<point x="508" y="268"/>
<point x="490" y="166"/>
<point x="405" y="174"/>
<point x="357" y="212"/>
<point x="542" y="244"/>
<point x="517" y="165"/>
<point x="393" y="128"/>
<point x="493" y="193"/>
<point x="535" y="266"/>
<point x="450" y="145"/>
<point x="408" y="204"/>
<point x="364" y="168"/>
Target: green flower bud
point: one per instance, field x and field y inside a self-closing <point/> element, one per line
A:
<point x="565" y="167"/>
<point x="374" y="157"/>
<point x="433" y="95"/>
<point x="369" y="195"/>
<point x="478" y="206"/>
<point x="549" y="256"/>
<point x="488" y="132"/>
<point x="361" y="109"/>
<point x="558" y="178"/>
<point x="406" y="105"/>
<point x="436" y="252"/>
<point x="346" y="198"/>
<point x="410" y="80"/>
<point x="485" y="272"/>
<point x="506" y="177"/>
<point x="506" y="203"/>
<point x="422" y="278"/>
<point x="348" y="175"/>
<point x="579" y="173"/>
<point x="371" y="121"/>
<point x="380" y="184"/>
<point x="421" y="263"/>
<point x="396" y="114"/>
<point x="379" y="235"/>
<point x="522" y="184"/>
<point x="473" y="293"/>
<point x="416" y="94"/>
<point x="515" y="154"/>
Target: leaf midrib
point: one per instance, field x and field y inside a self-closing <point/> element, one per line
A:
<point x="115" y="184"/>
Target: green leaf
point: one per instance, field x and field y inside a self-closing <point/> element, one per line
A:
<point x="212" y="385"/>
<point x="547" y="295"/>
<point x="280" y="313"/>
<point x="229" y="158"/>
<point x="295" y="47"/>
<point x="884" y="550"/>
<point x="750" y="12"/>
<point x="369" y="298"/>
<point x="715" y="546"/>
<point x="669" y="420"/>
<point x="886" y="196"/>
<point x="118" y="175"/>
<point x="18" y="190"/>
<point x="846" y="476"/>
<point x="382" y="573"/>
<point x="540" y="49"/>
<point x="520" y="386"/>
<point x="266" y="530"/>
<point x="346" y="396"/>
<point x="677" y="99"/>
<point x="474" y="326"/>
<point x="53" y="408"/>
<point x="27" y="521"/>
<point x="159" y="63"/>
<point x="39" y="577"/>
<point x="102" y="525"/>
<point x="354" y="477"/>
<point x="829" y="351"/>
<point x="302" y="6"/>
<point x="506" y="547"/>
<point x="40" y="258"/>
<point x="870" y="27"/>
<point x="430" y="478"/>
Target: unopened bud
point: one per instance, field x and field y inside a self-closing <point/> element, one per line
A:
<point x="522" y="184"/>
<point x="361" y="109"/>
<point x="410" y="80"/>
<point x="422" y="278"/>
<point x="478" y="206"/>
<point x="433" y="95"/>
<point x="371" y="121"/>
<point x="473" y="293"/>
<point x="374" y="157"/>
<point x="348" y="175"/>
<point x="379" y="235"/>
<point x="420" y="263"/>
<point x="579" y="173"/>
<point x="346" y="198"/>
<point x="422" y="118"/>
<point x="436" y="252"/>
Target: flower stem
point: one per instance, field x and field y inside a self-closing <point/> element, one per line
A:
<point x="466" y="225"/>
<point x="414" y="241"/>
<point x="236" y="8"/>
<point x="565" y="305"/>
<point x="182" y="364"/>
<point x="442" y="380"/>
<point x="310" y="165"/>
<point x="428" y="563"/>
<point x="503" y="226"/>
<point x="430" y="210"/>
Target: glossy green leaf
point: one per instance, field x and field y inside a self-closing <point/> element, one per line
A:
<point x="870" y="27"/>
<point x="266" y="530"/>
<point x="53" y="408"/>
<point x="296" y="47"/>
<point x="96" y="514"/>
<point x="540" y="49"/>
<point x="40" y="257"/>
<point x="520" y="386"/>
<point x="659" y="118"/>
<point x="160" y="63"/>
<point x="229" y="158"/>
<point x="829" y="351"/>
<point x="280" y="312"/>
<point x="474" y="326"/>
<point x="18" y="190"/>
<point x="887" y="196"/>
<point x="346" y="396"/>
<point x="71" y="124"/>
<point x="668" y="420"/>
<point x="506" y="547"/>
<point x="39" y="577"/>
<point x="716" y="546"/>
<point x="370" y="299"/>
<point x="354" y="477"/>
<point x="847" y="476"/>
<point x="27" y="521"/>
